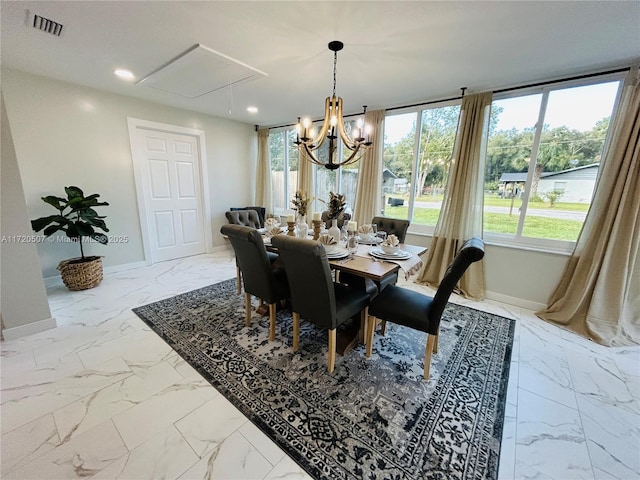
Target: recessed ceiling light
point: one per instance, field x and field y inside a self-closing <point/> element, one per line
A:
<point x="124" y="74"/>
<point x="252" y="109"/>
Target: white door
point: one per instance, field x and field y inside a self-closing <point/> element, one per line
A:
<point x="168" y="166"/>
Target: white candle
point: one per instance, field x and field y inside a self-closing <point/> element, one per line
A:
<point x="352" y="226"/>
<point x="291" y="218"/>
<point x="316" y="216"/>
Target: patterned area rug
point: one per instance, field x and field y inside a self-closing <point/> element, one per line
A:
<point x="373" y="418"/>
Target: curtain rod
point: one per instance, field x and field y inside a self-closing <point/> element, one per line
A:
<point x="501" y="90"/>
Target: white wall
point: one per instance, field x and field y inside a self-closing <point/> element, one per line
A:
<point x="25" y="309"/>
<point x="514" y="275"/>
<point x="65" y="134"/>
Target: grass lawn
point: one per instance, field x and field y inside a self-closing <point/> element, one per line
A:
<point x="536" y="227"/>
<point x="495" y="201"/>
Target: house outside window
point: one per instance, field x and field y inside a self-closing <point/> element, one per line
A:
<point x="543" y="202"/>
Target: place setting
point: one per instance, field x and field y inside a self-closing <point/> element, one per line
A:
<point x="368" y="235"/>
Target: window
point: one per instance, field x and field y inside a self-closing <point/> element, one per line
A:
<point x="543" y="157"/>
<point x="283" y="155"/>
<point x="425" y="157"/>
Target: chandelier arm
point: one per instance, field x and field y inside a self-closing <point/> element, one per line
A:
<point x="311" y="156"/>
<point x="343" y="134"/>
<point x="352" y="158"/>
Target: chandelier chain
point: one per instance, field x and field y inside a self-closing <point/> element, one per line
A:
<point x="335" y="68"/>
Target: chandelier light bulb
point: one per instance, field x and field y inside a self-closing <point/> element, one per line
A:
<point x="334" y="121"/>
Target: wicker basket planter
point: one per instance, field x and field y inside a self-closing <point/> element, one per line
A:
<point x="79" y="274"/>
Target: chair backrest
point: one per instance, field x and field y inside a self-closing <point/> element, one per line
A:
<point x="471" y="251"/>
<point x="261" y="211"/>
<point x="309" y="276"/>
<point x="393" y="226"/>
<point x="251" y="256"/>
<point x="248" y="218"/>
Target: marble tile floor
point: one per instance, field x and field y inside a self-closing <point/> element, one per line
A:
<point x="101" y="396"/>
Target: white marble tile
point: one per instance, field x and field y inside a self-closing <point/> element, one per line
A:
<point x="287" y="469"/>
<point x="550" y="439"/>
<point x="84" y="414"/>
<point x="511" y="407"/>
<point x="165" y="455"/>
<point x="25" y="403"/>
<point x="28" y="442"/>
<point x="508" y="450"/>
<point x="546" y="373"/>
<point x="183" y="368"/>
<point x="269" y="450"/>
<point x="81" y="457"/>
<point x="209" y="425"/>
<point x="598" y="381"/>
<point x="141" y="422"/>
<point x="613" y="438"/>
<point x="235" y="458"/>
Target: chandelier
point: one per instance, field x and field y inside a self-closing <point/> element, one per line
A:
<point x="308" y="142"/>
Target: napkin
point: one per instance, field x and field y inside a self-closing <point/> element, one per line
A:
<point x="271" y="222"/>
<point x="327" y="239"/>
<point x="273" y="231"/>
<point x="391" y="241"/>
<point x="367" y="228"/>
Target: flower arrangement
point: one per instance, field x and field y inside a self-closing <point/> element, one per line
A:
<point x="300" y="202"/>
<point x="336" y="204"/>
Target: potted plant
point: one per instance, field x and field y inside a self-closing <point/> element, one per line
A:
<point x="77" y="218"/>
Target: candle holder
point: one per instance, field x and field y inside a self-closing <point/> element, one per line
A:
<point x="316" y="229"/>
<point x="290" y="227"/>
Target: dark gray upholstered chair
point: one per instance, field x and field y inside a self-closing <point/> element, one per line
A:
<point x="249" y="218"/>
<point x="393" y="226"/>
<point x="418" y="311"/>
<point x="314" y="295"/>
<point x="261" y="211"/>
<point x="260" y="276"/>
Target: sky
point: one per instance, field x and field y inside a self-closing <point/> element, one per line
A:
<point x="578" y="108"/>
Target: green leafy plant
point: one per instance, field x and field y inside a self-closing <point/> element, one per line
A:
<point x="301" y="202"/>
<point x="336" y="204"/>
<point x="553" y="196"/>
<point x="76" y="217"/>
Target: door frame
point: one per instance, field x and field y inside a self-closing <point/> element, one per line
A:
<point x="138" y="157"/>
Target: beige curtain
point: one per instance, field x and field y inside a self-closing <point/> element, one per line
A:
<point x="461" y="214"/>
<point x="305" y="177"/>
<point x="263" y="172"/>
<point x="599" y="293"/>
<point x="368" y="202"/>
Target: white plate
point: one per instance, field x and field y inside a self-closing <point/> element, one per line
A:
<point x="372" y="241"/>
<point x="339" y="253"/>
<point x="379" y="253"/>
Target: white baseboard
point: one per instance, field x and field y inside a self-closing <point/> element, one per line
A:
<point x="518" y="302"/>
<point x="29" y="329"/>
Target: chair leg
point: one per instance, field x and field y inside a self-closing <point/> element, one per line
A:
<point x="272" y="322"/>
<point x="239" y="279"/>
<point x="371" y="326"/>
<point x="296" y="330"/>
<point x="435" y="345"/>
<point x="362" y="332"/>
<point x="247" y="308"/>
<point x="383" y="327"/>
<point x="332" y="351"/>
<point x="431" y="340"/>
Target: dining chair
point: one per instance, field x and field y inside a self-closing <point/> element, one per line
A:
<point x="395" y="226"/>
<point x="261" y="211"/>
<point x="418" y="311"/>
<point x="249" y="218"/>
<point x="261" y="277"/>
<point x="314" y="295"/>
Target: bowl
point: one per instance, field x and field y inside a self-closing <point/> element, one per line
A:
<point x="365" y="237"/>
<point x="390" y="249"/>
<point x="329" y="248"/>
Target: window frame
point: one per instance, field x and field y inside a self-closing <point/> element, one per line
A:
<point x="545" y="244"/>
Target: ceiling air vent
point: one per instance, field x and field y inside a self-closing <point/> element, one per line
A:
<point x="47" y="25"/>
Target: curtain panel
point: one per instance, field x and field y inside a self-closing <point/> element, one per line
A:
<point x="305" y="178"/>
<point x="264" y="197"/>
<point x="461" y="213"/>
<point x="598" y="295"/>
<point x="368" y="203"/>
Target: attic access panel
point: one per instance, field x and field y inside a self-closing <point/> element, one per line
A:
<point x="199" y="71"/>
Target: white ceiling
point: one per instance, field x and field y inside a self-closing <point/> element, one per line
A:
<point x="396" y="53"/>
